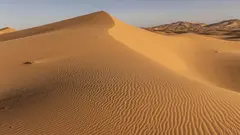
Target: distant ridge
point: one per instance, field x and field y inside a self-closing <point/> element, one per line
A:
<point x="234" y="23"/>
<point x="6" y="30"/>
<point x="179" y="27"/>
<point x="230" y="28"/>
<point x="227" y="25"/>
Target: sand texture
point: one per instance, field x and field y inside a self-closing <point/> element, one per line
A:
<point x="94" y="75"/>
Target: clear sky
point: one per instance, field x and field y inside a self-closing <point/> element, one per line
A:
<point x="21" y="14"/>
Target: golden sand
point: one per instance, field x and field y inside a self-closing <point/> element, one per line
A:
<point x="97" y="75"/>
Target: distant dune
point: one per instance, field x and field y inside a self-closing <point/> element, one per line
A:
<point x="97" y="75"/>
<point x="228" y="29"/>
<point x="6" y="30"/>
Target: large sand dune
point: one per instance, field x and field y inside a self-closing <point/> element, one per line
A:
<point x="97" y="75"/>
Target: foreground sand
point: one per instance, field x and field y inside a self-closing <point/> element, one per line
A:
<point x="97" y="75"/>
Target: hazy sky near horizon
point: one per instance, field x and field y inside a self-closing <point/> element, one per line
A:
<point x="21" y="14"/>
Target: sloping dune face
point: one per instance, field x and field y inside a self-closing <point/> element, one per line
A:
<point x="97" y="75"/>
<point x="207" y="60"/>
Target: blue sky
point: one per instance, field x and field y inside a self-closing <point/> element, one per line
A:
<point x="21" y="14"/>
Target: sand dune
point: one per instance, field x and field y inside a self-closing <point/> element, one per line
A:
<point x="97" y="75"/>
<point x="68" y="24"/>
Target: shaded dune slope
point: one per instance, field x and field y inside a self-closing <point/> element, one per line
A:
<point x="207" y="60"/>
<point x="94" y="78"/>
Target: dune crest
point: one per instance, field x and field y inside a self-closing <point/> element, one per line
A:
<point x="97" y="75"/>
<point x="97" y="19"/>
